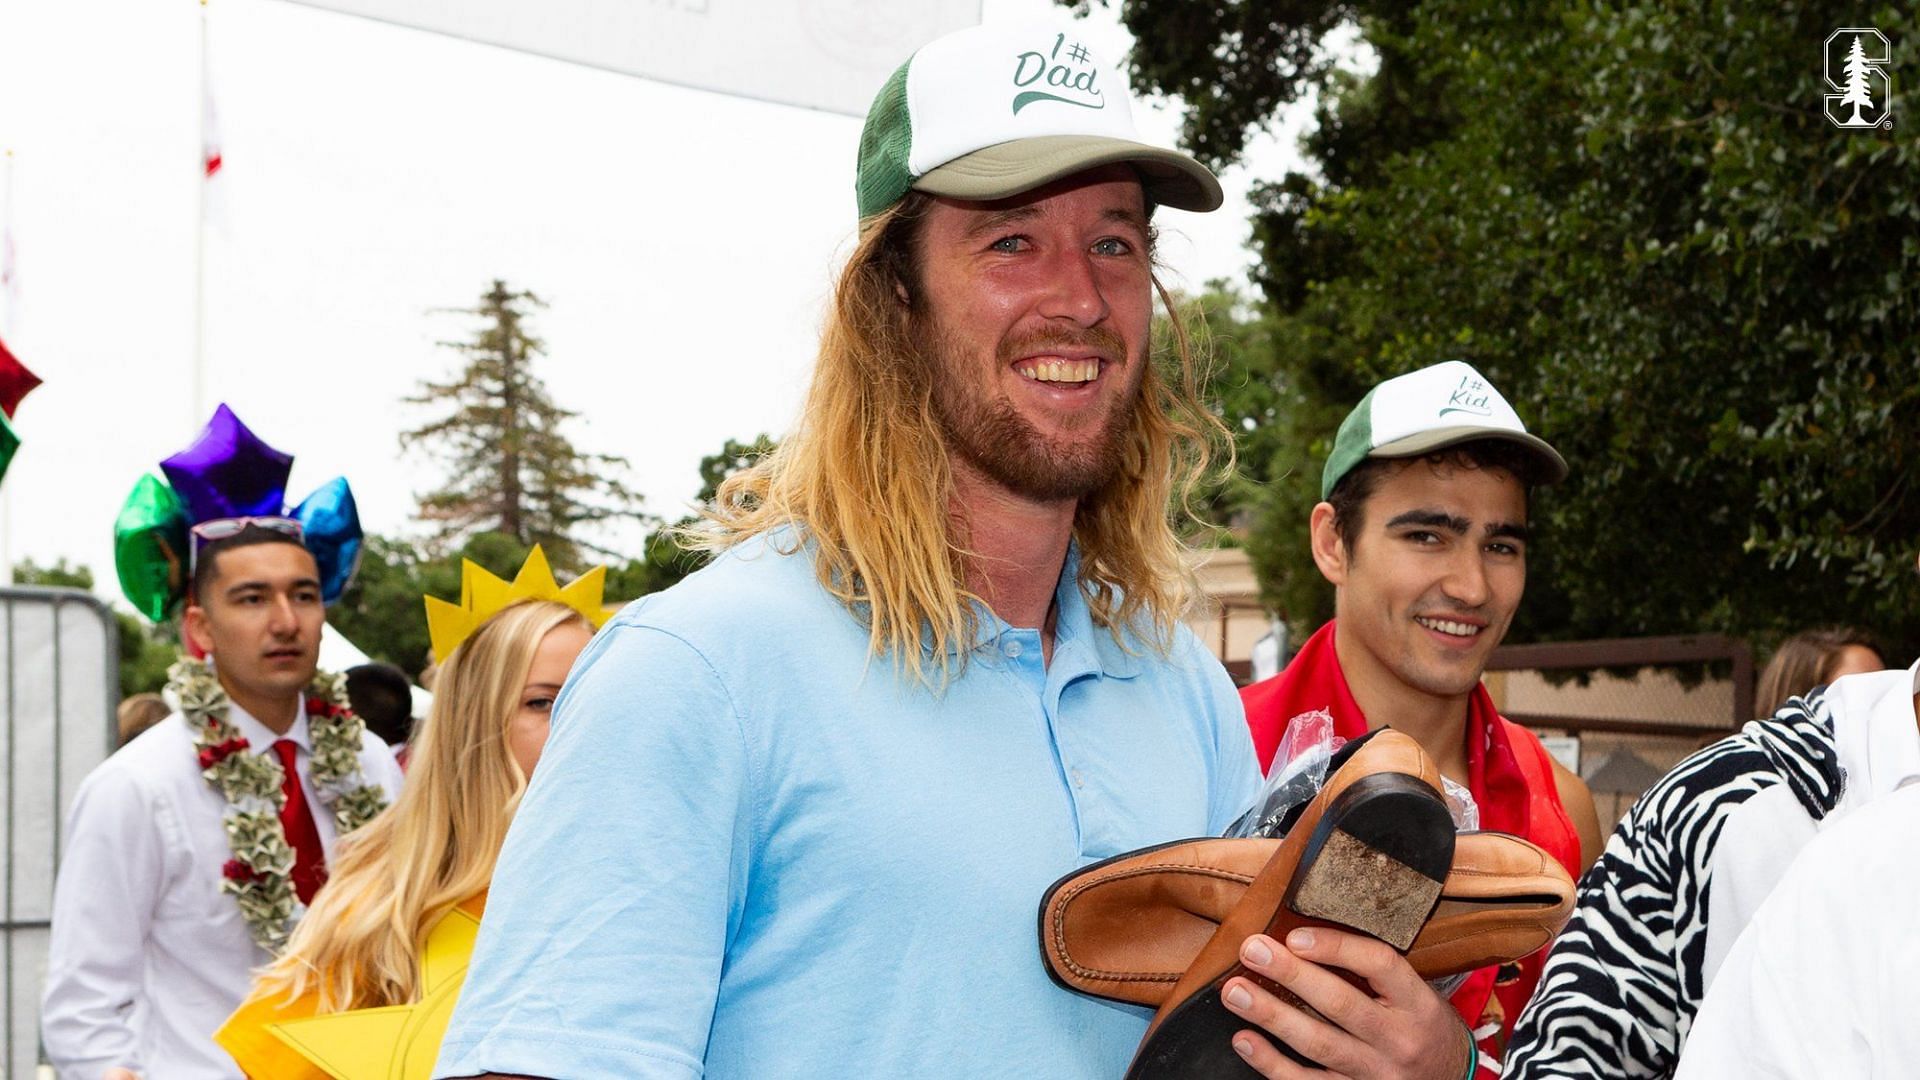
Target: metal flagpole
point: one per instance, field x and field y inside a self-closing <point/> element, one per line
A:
<point x="7" y="263"/>
<point x="6" y="237"/>
<point x="200" y="247"/>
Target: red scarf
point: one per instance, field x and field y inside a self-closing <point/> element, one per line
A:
<point x="1508" y="772"/>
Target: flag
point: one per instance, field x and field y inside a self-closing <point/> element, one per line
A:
<point x="210" y="160"/>
<point x="212" y="157"/>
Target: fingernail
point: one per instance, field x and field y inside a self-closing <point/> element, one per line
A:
<point x="1238" y="997"/>
<point x="1244" y="1047"/>
<point x="1255" y="951"/>
<point x="1300" y="939"/>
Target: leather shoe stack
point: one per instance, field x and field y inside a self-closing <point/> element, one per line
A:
<point x="1374" y="852"/>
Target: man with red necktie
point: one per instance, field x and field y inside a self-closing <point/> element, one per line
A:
<point x="1422" y="531"/>
<point x="159" y="919"/>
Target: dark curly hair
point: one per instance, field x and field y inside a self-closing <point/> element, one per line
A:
<point x="1350" y="495"/>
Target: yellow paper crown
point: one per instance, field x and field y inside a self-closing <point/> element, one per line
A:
<point x="482" y="595"/>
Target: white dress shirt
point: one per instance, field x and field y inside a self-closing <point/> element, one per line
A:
<point x="1824" y="980"/>
<point x="148" y="957"/>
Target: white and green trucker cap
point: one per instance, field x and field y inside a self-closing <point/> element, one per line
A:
<point x="994" y="110"/>
<point x="1427" y="410"/>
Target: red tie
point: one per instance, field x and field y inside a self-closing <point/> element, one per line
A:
<point x="309" y="858"/>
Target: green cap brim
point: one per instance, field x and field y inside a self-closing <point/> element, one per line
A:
<point x="1553" y="466"/>
<point x="1169" y="177"/>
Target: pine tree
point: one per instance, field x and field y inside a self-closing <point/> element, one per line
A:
<point x="510" y="467"/>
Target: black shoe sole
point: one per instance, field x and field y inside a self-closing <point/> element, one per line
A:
<point x="1375" y="863"/>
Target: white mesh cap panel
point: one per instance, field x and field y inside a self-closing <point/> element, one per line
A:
<point x="991" y="84"/>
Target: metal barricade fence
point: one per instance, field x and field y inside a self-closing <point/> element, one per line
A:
<point x="59" y="685"/>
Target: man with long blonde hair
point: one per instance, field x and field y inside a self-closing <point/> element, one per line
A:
<point x="799" y="810"/>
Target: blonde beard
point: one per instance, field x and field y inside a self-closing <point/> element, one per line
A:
<point x="991" y="435"/>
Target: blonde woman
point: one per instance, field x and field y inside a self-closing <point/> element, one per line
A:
<point x="434" y="850"/>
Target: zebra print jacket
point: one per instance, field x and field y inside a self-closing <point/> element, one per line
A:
<point x="1627" y="975"/>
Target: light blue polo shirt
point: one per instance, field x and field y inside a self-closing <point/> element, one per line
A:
<point x="749" y="851"/>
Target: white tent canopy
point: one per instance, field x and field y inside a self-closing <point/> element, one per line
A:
<point x="821" y="54"/>
<point x="339" y="654"/>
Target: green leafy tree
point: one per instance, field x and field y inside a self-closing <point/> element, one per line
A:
<point x="511" y="468"/>
<point x="60" y="575"/>
<point x="1273" y="424"/>
<point x="145" y="651"/>
<point x="664" y="560"/>
<point x="1635" y="219"/>
<point x="382" y="612"/>
<point x="662" y="563"/>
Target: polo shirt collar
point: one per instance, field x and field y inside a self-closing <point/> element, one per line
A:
<point x="1075" y="632"/>
<point x="1076" y="624"/>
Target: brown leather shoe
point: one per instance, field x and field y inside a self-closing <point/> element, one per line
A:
<point x="1370" y="853"/>
<point x="1126" y="928"/>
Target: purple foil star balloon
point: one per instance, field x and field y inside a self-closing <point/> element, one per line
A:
<point x="229" y="472"/>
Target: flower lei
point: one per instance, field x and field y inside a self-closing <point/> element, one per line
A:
<point x="259" y="874"/>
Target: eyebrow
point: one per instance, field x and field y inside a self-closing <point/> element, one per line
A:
<point x="1001" y="218"/>
<point x="1128" y="217"/>
<point x="239" y="588"/>
<point x="1458" y="526"/>
<point x="1432" y="519"/>
<point x="1508" y="530"/>
<point x="541" y="686"/>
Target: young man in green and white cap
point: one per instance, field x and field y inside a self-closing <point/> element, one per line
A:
<point x="798" y="812"/>
<point x="1422" y="530"/>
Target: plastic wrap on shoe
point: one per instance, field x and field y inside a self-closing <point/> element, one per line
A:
<point x="1466" y="812"/>
<point x="1300" y="766"/>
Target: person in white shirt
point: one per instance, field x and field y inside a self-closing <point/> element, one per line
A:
<point x="158" y="919"/>
<point x="1689" y="866"/>
<point x="1823" y="981"/>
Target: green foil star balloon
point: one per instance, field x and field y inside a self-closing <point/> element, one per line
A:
<point x="150" y="548"/>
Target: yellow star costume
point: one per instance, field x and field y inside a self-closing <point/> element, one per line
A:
<point x="274" y="1039"/>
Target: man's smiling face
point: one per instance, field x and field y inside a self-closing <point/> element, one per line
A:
<point x="1435" y="573"/>
<point x="1035" y="312"/>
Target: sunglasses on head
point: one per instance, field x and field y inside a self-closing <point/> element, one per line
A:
<point x="208" y="532"/>
<point x="222" y="528"/>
